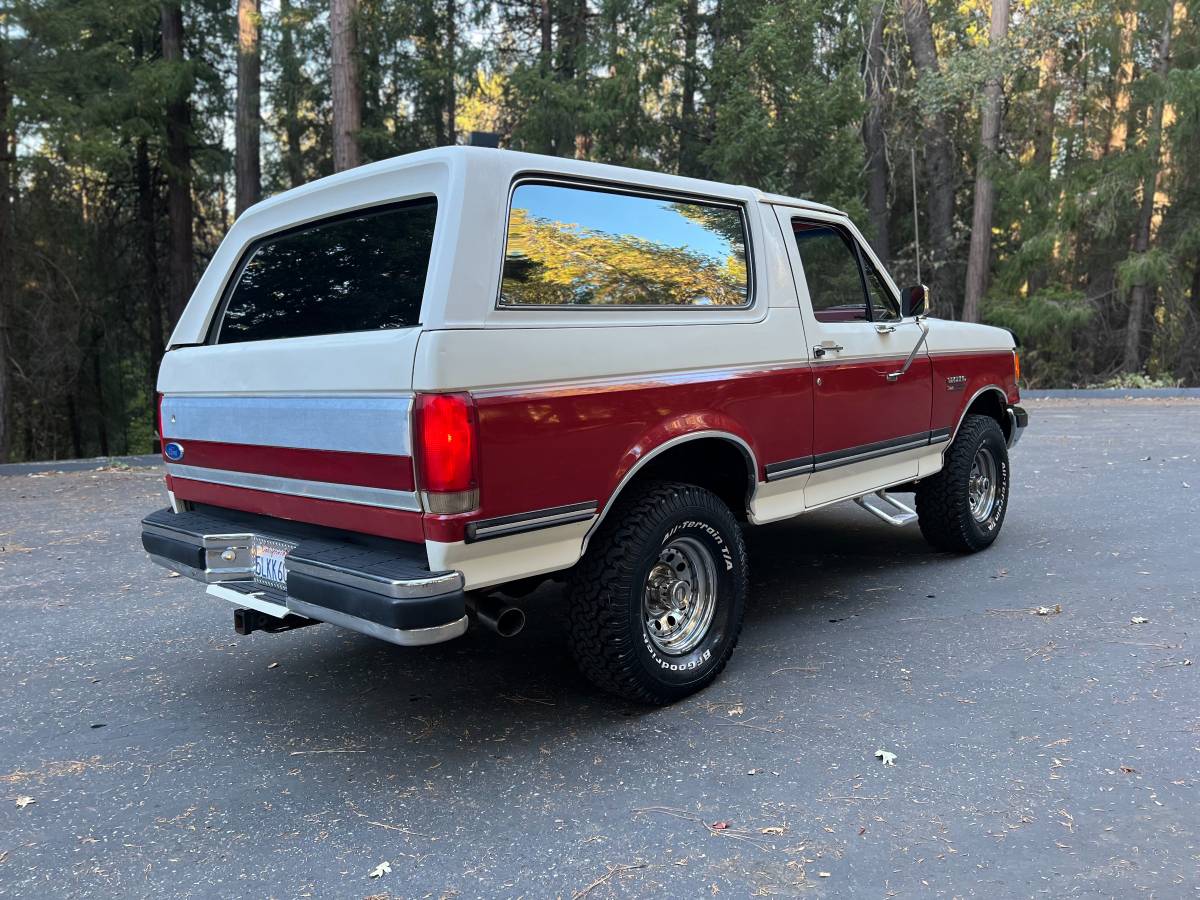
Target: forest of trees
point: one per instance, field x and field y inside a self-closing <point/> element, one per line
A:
<point x="1053" y="147"/>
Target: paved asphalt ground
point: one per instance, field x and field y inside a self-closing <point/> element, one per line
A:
<point x="1053" y="756"/>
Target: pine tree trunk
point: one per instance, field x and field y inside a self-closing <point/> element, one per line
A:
<point x="6" y="240"/>
<point x="979" y="256"/>
<point x="941" y="172"/>
<point x="247" y="171"/>
<point x="179" y="165"/>
<point x="546" y="30"/>
<point x="1139" y="297"/>
<point x="289" y="76"/>
<point x="874" y="138"/>
<point x="688" y="138"/>
<point x="1119" y="127"/>
<point x="347" y="95"/>
<point x="154" y="330"/>
<point x="1043" y="146"/>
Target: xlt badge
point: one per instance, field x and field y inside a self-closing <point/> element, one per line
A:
<point x="956" y="382"/>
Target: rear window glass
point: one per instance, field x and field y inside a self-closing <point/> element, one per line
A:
<point x="589" y="248"/>
<point x="361" y="272"/>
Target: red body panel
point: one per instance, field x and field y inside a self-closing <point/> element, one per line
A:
<point x="550" y="448"/>
<point x="545" y="448"/>
<point x="856" y="404"/>
<point x="393" y="523"/>
<point x="981" y="369"/>
<point x="336" y="466"/>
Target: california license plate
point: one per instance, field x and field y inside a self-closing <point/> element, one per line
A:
<point x="270" y="562"/>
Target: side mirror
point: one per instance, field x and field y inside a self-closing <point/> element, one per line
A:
<point x="913" y="301"/>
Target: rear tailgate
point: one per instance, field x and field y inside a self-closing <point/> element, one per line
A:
<point x="305" y="432"/>
<point x="287" y="389"/>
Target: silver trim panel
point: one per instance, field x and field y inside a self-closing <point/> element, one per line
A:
<point x="410" y="637"/>
<point x="297" y="487"/>
<point x="377" y="584"/>
<point x="531" y="521"/>
<point x="351" y="424"/>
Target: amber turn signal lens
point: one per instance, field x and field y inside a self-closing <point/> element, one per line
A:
<point x="1016" y="365"/>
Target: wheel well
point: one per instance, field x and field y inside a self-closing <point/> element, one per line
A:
<point x="715" y="464"/>
<point x="991" y="403"/>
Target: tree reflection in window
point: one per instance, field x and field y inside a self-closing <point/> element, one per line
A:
<point x="579" y="247"/>
<point x="360" y="273"/>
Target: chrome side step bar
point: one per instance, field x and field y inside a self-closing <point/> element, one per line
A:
<point x="900" y="515"/>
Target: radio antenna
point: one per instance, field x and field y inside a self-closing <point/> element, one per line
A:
<point x="916" y="220"/>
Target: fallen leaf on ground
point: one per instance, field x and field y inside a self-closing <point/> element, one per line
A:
<point x="172" y="574"/>
<point x="773" y="829"/>
<point x="1049" y="610"/>
<point x="1129" y="770"/>
<point x="735" y="710"/>
<point x="720" y="826"/>
<point x="24" y="801"/>
<point x="889" y="758"/>
<point x="273" y="665"/>
<point x="1139" y="620"/>
<point x="824" y="874"/>
<point x="380" y="870"/>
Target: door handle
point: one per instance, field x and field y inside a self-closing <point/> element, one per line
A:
<point x="826" y="346"/>
<point x="881" y="328"/>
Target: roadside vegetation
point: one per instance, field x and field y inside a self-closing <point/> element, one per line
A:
<point x="1052" y="150"/>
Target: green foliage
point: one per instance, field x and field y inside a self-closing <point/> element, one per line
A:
<point x="1048" y="326"/>
<point x="1136" y="381"/>
<point x="763" y="92"/>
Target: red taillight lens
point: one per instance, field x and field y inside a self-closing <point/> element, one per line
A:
<point x="446" y="437"/>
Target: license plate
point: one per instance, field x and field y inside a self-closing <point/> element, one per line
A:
<point x="270" y="562"/>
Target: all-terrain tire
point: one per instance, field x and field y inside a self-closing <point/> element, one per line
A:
<point x="944" y="499"/>
<point x="608" y="631"/>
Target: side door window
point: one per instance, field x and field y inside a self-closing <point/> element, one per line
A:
<point x="843" y="285"/>
<point x="831" y="270"/>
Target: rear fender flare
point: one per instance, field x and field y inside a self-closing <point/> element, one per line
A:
<point x="673" y="433"/>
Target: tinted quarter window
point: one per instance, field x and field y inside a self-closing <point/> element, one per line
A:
<point x="354" y="273"/>
<point x="831" y="271"/>
<point x="579" y="247"/>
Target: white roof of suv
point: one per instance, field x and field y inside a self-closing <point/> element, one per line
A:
<point x="472" y="185"/>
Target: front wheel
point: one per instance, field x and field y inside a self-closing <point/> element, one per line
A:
<point x="962" y="507"/>
<point x="656" y="604"/>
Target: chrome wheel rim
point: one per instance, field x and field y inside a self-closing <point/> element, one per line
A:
<point x="680" y="596"/>
<point x="981" y="486"/>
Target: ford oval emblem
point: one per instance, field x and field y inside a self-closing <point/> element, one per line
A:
<point x="173" y="451"/>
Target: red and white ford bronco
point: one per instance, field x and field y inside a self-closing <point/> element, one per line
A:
<point x="403" y="389"/>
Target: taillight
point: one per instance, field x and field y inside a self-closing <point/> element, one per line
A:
<point x="158" y="425"/>
<point x="1016" y="366"/>
<point x="445" y="429"/>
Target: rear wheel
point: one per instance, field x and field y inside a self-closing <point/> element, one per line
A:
<point x="962" y="507"/>
<point x="656" y="604"/>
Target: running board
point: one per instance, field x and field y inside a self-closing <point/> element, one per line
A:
<point x="901" y="516"/>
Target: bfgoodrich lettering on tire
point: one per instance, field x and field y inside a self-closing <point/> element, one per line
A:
<point x="656" y="604"/>
<point x="962" y="507"/>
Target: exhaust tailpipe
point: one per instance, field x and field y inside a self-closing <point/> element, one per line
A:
<point x="495" y="614"/>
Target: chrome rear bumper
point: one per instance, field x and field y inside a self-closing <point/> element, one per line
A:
<point x="384" y="589"/>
